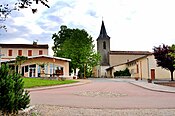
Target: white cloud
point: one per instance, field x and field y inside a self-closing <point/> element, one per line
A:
<point x="17" y="41"/>
<point x="131" y="24"/>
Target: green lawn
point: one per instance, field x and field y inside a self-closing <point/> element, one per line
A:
<point x="36" y="82"/>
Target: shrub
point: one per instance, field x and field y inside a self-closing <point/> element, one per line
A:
<point x="122" y="73"/>
<point x="12" y="95"/>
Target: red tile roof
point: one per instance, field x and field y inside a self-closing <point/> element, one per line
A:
<point x="130" y="53"/>
<point x="43" y="46"/>
<point x="40" y="56"/>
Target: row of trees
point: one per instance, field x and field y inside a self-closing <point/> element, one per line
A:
<point x="77" y="45"/>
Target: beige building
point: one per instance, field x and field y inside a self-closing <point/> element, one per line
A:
<point x="144" y="67"/>
<point x="141" y="64"/>
<point x="11" y="51"/>
<point x="38" y="64"/>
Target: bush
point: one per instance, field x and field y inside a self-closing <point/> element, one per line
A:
<point x="122" y="73"/>
<point x="12" y="95"/>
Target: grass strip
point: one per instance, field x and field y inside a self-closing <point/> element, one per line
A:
<point x="37" y="82"/>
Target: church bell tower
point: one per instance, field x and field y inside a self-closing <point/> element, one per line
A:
<point x="103" y="46"/>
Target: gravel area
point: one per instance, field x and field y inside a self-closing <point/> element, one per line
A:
<point x="99" y="94"/>
<point x="51" y="110"/>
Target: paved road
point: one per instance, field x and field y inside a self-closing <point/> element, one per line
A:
<point x="104" y="93"/>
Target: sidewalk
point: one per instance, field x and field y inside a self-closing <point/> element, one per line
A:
<point x="81" y="82"/>
<point x="154" y="87"/>
<point x="149" y="86"/>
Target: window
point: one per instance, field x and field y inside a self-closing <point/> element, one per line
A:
<point x="51" y="68"/>
<point x="104" y="45"/>
<point x="19" y="52"/>
<point x="10" y="53"/>
<point x="26" y="69"/>
<point x="40" y="52"/>
<point x="29" y="52"/>
<point x="46" y="69"/>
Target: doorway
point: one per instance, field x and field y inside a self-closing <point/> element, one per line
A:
<point x="152" y="74"/>
<point x="32" y="69"/>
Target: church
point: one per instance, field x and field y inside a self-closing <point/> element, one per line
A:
<point x="141" y="64"/>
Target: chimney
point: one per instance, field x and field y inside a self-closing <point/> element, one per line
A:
<point x="35" y="42"/>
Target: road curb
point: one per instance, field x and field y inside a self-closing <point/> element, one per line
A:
<point x="81" y="82"/>
<point x="152" y="89"/>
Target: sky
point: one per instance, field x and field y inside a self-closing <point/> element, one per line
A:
<point x="133" y="25"/>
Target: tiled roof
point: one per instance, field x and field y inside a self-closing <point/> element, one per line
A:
<point x="45" y="46"/>
<point x="52" y="57"/>
<point x="130" y="53"/>
<point x="111" y="67"/>
<point x="40" y="56"/>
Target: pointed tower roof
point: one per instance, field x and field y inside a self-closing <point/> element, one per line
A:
<point x="103" y="33"/>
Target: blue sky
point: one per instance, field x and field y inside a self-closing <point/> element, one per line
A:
<point x="131" y="24"/>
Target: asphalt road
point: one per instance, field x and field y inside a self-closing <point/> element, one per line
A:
<point x="104" y="93"/>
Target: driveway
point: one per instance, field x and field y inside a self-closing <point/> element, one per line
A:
<point x="104" y="93"/>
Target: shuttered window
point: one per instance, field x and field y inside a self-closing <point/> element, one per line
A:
<point x="19" y="52"/>
<point x="40" y="52"/>
<point x="29" y="52"/>
<point x="10" y="52"/>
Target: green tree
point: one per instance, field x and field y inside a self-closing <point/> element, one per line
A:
<point x="19" y="61"/>
<point x="77" y="45"/>
<point x="164" y="59"/>
<point x="22" y="99"/>
<point x="59" y="38"/>
<point x="6" y="90"/>
<point x="172" y="53"/>
<point x="12" y="95"/>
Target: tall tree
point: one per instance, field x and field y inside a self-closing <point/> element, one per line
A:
<point x="59" y="38"/>
<point x="77" y="45"/>
<point x="164" y="59"/>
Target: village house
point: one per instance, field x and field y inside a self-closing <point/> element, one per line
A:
<point x="38" y="64"/>
<point x="141" y="64"/>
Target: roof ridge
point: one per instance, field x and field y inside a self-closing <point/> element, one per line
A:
<point x="24" y="46"/>
<point x="131" y="52"/>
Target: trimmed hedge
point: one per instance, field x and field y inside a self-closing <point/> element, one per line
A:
<point x="122" y="73"/>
